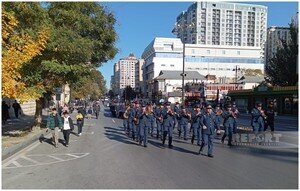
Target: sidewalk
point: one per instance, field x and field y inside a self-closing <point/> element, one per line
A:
<point x="16" y="134"/>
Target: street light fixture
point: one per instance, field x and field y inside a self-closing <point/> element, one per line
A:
<point x="183" y="74"/>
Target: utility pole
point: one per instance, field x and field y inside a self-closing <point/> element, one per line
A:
<point x="183" y="72"/>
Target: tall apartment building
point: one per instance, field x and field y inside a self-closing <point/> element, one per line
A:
<point x="139" y="76"/>
<point x="126" y="73"/>
<point x="274" y="40"/>
<point x="167" y="54"/>
<point x="221" y="23"/>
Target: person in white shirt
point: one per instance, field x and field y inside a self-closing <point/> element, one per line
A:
<point x="67" y="127"/>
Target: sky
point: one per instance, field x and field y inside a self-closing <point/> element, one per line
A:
<point x="138" y="23"/>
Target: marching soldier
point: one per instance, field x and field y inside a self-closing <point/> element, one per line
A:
<point x="195" y="124"/>
<point x="159" y="119"/>
<point x="228" y="124"/>
<point x="168" y="124"/>
<point x="176" y="113"/>
<point x="235" y="112"/>
<point x="257" y="121"/>
<point x="131" y="120"/>
<point x="183" y="121"/>
<point x="208" y="124"/>
<point x="138" y="116"/>
<point x="270" y="117"/>
<point x="145" y="124"/>
<point x="219" y="118"/>
<point x="126" y="120"/>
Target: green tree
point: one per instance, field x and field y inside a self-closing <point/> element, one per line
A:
<point x="282" y="68"/>
<point x="92" y="85"/>
<point x="128" y="93"/>
<point x="82" y="37"/>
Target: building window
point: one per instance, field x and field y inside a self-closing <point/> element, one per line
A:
<point x="208" y="51"/>
<point x="163" y="65"/>
<point x="223" y="52"/>
<point x="172" y="65"/>
<point x="238" y="52"/>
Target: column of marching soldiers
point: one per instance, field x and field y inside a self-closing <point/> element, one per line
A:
<point x="205" y="121"/>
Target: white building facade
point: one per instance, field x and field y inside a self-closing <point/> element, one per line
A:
<point x="167" y="54"/>
<point x="224" y="24"/>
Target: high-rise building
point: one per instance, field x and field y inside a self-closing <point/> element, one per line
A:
<point x="225" y="24"/>
<point x="126" y="73"/>
<point x="276" y="35"/>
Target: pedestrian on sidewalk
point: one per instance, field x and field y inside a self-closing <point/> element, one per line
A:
<point x="67" y="127"/>
<point x="80" y="119"/>
<point x="90" y="112"/>
<point x="54" y="122"/>
<point x="5" y="112"/>
<point x="17" y="108"/>
<point x="270" y="113"/>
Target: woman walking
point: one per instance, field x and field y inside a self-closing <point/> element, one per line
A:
<point x="67" y="127"/>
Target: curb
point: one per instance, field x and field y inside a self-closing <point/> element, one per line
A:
<point x="18" y="147"/>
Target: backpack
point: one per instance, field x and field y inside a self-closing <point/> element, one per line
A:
<point x="79" y="116"/>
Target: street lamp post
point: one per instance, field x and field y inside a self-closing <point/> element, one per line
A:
<point x="236" y="69"/>
<point x="183" y="74"/>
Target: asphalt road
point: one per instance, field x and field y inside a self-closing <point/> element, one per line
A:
<point x="103" y="157"/>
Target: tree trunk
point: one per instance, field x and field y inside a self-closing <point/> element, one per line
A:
<point x="38" y="115"/>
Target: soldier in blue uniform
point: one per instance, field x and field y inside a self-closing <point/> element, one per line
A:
<point x="131" y="121"/>
<point x="235" y="112"/>
<point x="145" y="123"/>
<point x="176" y="113"/>
<point x="153" y="121"/>
<point x="257" y="121"/>
<point x="138" y="116"/>
<point x="228" y="124"/>
<point x="168" y="124"/>
<point x="195" y="124"/>
<point x="219" y="119"/>
<point x="208" y="124"/>
<point x="183" y="121"/>
<point x="159" y="119"/>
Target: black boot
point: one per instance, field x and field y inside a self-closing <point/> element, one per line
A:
<point x="201" y="148"/>
<point x="192" y="140"/>
<point x="170" y="142"/>
<point x="179" y="134"/>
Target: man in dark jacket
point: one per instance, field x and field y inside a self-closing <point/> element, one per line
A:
<point x="5" y="112"/>
<point x="17" y="108"/>
<point x="270" y="113"/>
<point x="54" y="122"/>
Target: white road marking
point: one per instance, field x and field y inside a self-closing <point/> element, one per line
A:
<point x="73" y="155"/>
<point x="16" y="163"/>
<point x="29" y="159"/>
<point x="113" y="121"/>
<point x="56" y="158"/>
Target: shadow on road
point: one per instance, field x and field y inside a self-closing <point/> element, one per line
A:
<point x="46" y="140"/>
<point x="117" y="135"/>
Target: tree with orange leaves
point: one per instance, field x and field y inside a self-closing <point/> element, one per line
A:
<point x="18" y="48"/>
